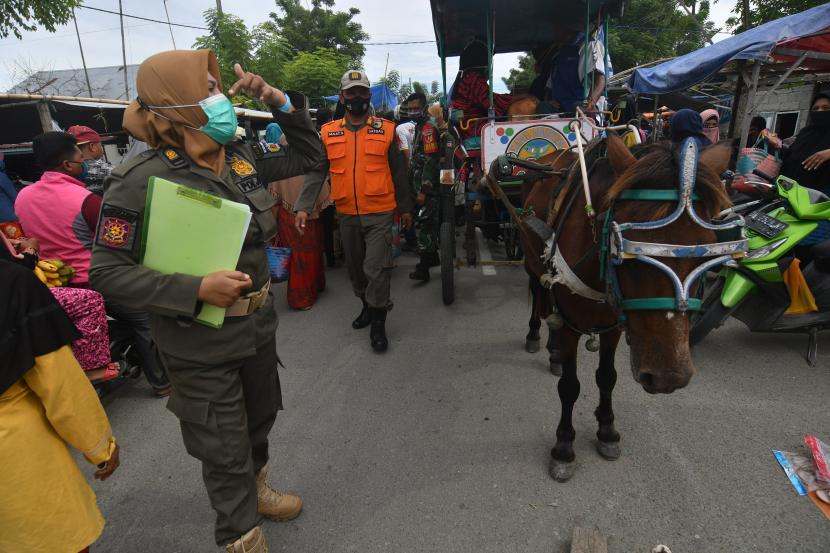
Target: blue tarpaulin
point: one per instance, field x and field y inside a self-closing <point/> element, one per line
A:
<point x="754" y="44"/>
<point x="380" y="94"/>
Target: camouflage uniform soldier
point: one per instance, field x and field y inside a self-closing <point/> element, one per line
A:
<point x="424" y="171"/>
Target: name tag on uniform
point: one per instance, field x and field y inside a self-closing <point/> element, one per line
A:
<point x="336" y="133"/>
<point x="249" y="185"/>
<point x="375" y="131"/>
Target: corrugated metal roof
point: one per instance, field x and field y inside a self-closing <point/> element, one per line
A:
<point x="107" y="82"/>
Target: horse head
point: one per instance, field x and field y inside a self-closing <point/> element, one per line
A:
<point x="658" y="334"/>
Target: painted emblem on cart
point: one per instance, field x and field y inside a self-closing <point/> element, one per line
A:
<point x="532" y="142"/>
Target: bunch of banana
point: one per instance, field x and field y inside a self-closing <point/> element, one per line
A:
<point x="53" y="272"/>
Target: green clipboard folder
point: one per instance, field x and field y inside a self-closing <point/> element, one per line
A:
<point x="191" y="232"/>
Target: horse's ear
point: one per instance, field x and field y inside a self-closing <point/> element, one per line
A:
<point x="619" y="155"/>
<point x="717" y="157"/>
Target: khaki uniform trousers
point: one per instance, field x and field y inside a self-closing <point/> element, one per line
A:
<point x="226" y="412"/>
<point x="367" y="246"/>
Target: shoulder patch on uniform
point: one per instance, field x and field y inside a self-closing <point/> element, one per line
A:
<point x="117" y="228"/>
<point x="376" y="131"/>
<point x="430" y="139"/>
<point x="172" y="158"/>
<point x="273" y="148"/>
<point x="336" y="133"/>
<point x="241" y="167"/>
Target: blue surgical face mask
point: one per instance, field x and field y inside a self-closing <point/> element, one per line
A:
<point x="222" y="122"/>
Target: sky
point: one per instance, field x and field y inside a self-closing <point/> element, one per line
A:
<point x="101" y="39"/>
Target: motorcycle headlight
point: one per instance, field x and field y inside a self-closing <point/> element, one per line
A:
<point x="765" y="250"/>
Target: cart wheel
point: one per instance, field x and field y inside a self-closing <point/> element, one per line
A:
<point x="512" y="245"/>
<point x="446" y="239"/>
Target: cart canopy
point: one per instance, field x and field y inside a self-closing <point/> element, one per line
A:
<point x="784" y="39"/>
<point x="519" y="25"/>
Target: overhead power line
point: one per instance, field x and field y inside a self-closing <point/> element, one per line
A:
<point x="146" y="18"/>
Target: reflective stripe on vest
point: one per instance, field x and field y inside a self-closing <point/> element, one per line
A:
<point x="361" y="181"/>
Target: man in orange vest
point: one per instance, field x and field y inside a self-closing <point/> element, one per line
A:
<point x="368" y="181"/>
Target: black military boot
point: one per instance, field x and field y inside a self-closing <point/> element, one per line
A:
<point x="421" y="271"/>
<point x="364" y="319"/>
<point x="378" y="332"/>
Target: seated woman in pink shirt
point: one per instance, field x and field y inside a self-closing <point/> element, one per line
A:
<point x="63" y="215"/>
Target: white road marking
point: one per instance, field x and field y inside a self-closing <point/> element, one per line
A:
<point x="484" y="254"/>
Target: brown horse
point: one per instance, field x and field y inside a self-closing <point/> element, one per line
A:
<point x="660" y="359"/>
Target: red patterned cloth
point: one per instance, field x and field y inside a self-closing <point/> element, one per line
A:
<point x="86" y="310"/>
<point x="307" y="276"/>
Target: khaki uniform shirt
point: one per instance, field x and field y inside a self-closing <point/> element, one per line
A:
<point x="172" y="300"/>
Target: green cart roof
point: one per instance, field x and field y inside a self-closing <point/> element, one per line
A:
<point x="520" y="25"/>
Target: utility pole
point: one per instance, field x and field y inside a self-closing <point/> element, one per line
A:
<point x="81" y="47"/>
<point x="219" y="7"/>
<point x="123" y="50"/>
<point x="385" y="86"/>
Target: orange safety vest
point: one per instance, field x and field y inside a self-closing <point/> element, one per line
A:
<point x="361" y="181"/>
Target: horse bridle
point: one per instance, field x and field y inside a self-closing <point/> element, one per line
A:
<point x="616" y="248"/>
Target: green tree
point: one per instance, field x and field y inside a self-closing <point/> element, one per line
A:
<point x="271" y="53"/>
<point x="230" y="40"/>
<point x="392" y="80"/>
<point x="316" y="73"/>
<point x="17" y="16"/>
<point x="521" y="77"/>
<point x="404" y="91"/>
<point x="308" y="30"/>
<point x="653" y="29"/>
<point x="419" y="87"/>
<point x="433" y="91"/>
<point x="762" y="11"/>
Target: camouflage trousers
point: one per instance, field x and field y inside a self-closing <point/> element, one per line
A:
<point x="427" y="225"/>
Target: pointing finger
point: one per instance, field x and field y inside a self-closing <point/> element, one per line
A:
<point x="238" y="70"/>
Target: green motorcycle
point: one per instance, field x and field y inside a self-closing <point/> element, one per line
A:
<point x="752" y="289"/>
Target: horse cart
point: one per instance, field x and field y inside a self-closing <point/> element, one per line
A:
<point x="512" y="142"/>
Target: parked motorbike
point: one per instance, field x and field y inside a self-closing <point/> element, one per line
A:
<point x="753" y="289"/>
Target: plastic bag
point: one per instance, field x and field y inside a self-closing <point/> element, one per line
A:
<point x="396" y="234"/>
<point x="278" y="261"/>
<point x="801" y="470"/>
<point x="821" y="456"/>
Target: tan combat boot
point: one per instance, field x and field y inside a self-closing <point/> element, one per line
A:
<point x="273" y="504"/>
<point x="252" y="542"/>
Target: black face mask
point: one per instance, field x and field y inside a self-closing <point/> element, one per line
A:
<point x="820" y="118"/>
<point x="358" y="106"/>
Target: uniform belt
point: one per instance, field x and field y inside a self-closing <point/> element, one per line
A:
<point x="249" y="303"/>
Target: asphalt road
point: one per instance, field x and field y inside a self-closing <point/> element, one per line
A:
<point x="442" y="444"/>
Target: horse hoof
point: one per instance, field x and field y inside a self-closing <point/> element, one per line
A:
<point x="532" y="346"/>
<point x="609" y="450"/>
<point x="555" y="368"/>
<point x="561" y="471"/>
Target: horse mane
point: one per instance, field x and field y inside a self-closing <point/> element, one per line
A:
<point x="658" y="167"/>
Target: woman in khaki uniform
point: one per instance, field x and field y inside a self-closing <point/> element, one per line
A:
<point x="226" y="390"/>
<point x="46" y="402"/>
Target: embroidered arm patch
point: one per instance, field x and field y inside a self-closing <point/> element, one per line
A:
<point x="429" y="139"/>
<point x="117" y="228"/>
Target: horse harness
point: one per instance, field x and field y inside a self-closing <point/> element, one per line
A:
<point x="613" y="248"/>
